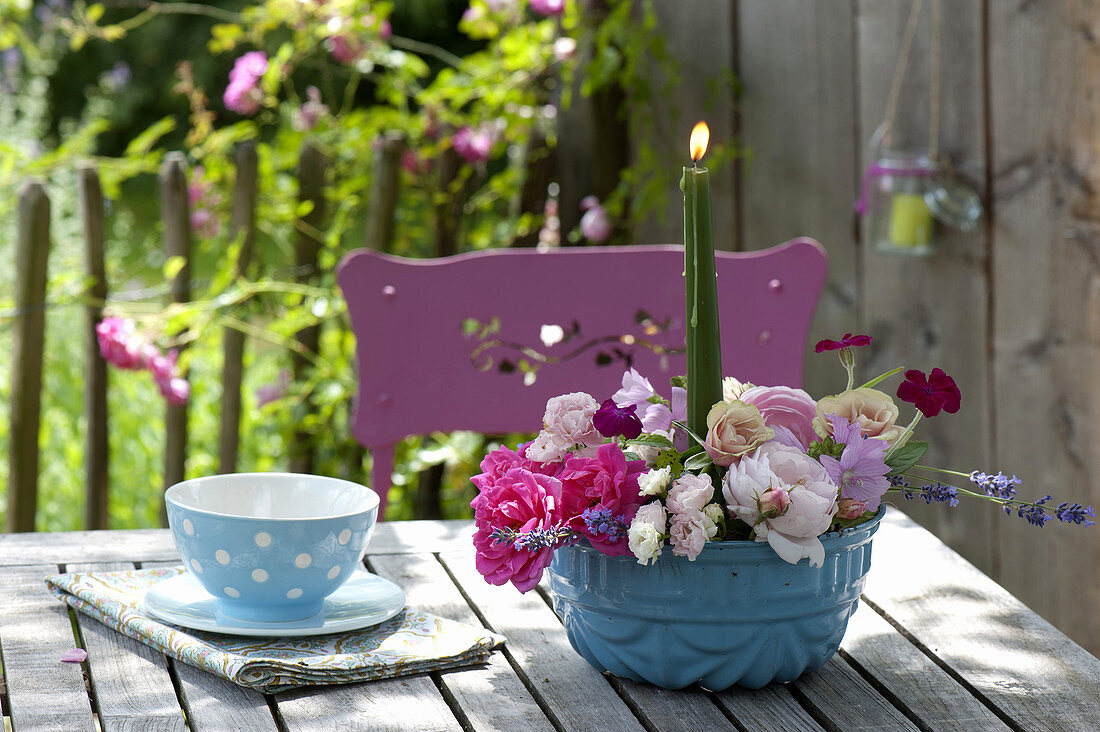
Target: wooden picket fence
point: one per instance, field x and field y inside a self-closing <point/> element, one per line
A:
<point x="29" y="332"/>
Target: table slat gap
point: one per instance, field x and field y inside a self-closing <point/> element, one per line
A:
<point x="974" y="691"/>
<point x="843" y="697"/>
<point x="813" y="710"/>
<point x="43" y="692"/>
<point x="775" y="708"/>
<point x="452" y="703"/>
<point x="428" y="586"/>
<point x="538" y="645"/>
<point x="131" y="682"/>
<point x="886" y="693"/>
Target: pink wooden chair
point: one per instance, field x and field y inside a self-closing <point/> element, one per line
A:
<point x="480" y="341"/>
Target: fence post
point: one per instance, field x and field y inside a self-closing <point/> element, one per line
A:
<point x="31" y="256"/>
<point x="382" y="199"/>
<point x="96" y="450"/>
<point x="176" y="215"/>
<point x="311" y="185"/>
<point x="242" y="224"/>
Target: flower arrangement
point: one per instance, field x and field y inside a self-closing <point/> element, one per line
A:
<point x="629" y="477"/>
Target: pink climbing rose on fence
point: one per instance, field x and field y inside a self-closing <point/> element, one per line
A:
<point x="121" y="346"/>
<point x="243" y="95"/>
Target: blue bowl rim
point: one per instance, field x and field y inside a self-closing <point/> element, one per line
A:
<point x="372" y="498"/>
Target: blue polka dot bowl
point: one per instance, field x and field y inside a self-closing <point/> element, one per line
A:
<point x="271" y="546"/>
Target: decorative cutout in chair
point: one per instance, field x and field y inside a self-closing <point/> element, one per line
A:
<point x="480" y="341"/>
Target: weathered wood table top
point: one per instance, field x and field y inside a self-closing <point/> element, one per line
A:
<point x="935" y="644"/>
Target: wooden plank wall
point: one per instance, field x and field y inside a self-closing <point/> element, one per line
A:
<point x="1012" y="311"/>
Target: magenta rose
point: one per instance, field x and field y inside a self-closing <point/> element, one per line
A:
<point x="499" y="461"/>
<point x="608" y="481"/>
<point x="518" y="501"/>
<point x="783" y="406"/>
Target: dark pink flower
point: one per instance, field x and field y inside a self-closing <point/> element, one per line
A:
<point x="517" y="501"/>
<point x="243" y="94"/>
<point x="119" y="344"/>
<point x="548" y="8"/>
<point x="473" y="145"/>
<point x="848" y="341"/>
<point x="930" y="393"/>
<point x="611" y="420"/>
<point x="608" y="481"/>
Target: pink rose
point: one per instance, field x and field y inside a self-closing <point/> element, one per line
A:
<point x="690" y="532"/>
<point x="608" y="481"/>
<point x="689" y="493"/>
<point x="811" y="500"/>
<point x="850" y="508"/>
<point x="734" y="429"/>
<point x="569" y="416"/>
<point x="243" y="94"/>
<point x="517" y="501"/>
<point x="783" y="406"/>
<point x="119" y="344"/>
<point x="499" y="461"/>
<point x="774" y="502"/>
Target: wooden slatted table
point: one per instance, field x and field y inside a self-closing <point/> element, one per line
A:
<point x="934" y="645"/>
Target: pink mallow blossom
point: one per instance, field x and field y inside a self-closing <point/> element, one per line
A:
<point x="473" y="145"/>
<point x="243" y="95"/>
<point x="810" y="506"/>
<point x="595" y="224"/>
<point x="861" y="471"/>
<point x="515" y="502"/>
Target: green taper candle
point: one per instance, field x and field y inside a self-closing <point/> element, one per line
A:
<point x="704" y="346"/>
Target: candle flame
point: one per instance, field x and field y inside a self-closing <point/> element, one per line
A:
<point x="700" y="136"/>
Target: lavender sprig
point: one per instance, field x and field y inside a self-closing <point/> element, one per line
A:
<point x="535" y="539"/>
<point x="600" y="520"/>
<point x="1000" y="489"/>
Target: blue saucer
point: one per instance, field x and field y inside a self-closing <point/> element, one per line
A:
<point x="364" y="600"/>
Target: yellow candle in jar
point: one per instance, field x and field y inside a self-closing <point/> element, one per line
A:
<point x="910" y="221"/>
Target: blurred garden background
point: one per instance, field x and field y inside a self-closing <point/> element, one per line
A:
<point x="561" y="123"/>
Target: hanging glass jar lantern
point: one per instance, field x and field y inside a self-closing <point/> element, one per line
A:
<point x="899" y="221"/>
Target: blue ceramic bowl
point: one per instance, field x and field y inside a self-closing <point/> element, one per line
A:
<point x="271" y="546"/>
<point x="738" y="614"/>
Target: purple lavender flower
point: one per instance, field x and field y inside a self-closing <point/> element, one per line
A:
<point x="534" y="540"/>
<point x="997" y="486"/>
<point x="861" y="472"/>
<point x="1075" y="513"/>
<point x="1035" y="514"/>
<point x="611" y="420"/>
<point x="600" y="520"/>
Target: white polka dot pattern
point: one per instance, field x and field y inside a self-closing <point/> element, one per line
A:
<point x="188" y="527"/>
<point x="259" y="575"/>
<point x="222" y="556"/>
<point x="345" y="537"/>
<point x="196" y="566"/>
<point x="302" y="561"/>
<point x="231" y="592"/>
<point x="333" y="572"/>
<point x="294" y="593"/>
<point x="262" y="539"/>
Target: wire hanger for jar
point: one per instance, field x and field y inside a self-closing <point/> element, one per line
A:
<point x="949" y="201"/>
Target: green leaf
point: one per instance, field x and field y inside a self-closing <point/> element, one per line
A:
<point x="882" y="377"/>
<point x="652" y="441"/>
<point x="699" y="461"/>
<point x="906" y="456"/>
<point x="685" y="428"/>
<point x="172" y="267"/>
<point x="144" y="142"/>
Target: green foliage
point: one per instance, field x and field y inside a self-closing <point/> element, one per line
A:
<point x="495" y="71"/>
<point x="906" y="456"/>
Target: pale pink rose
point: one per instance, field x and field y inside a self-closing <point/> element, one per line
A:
<point x="689" y="493"/>
<point x="734" y="429"/>
<point x="811" y="500"/>
<point x="874" y="410"/>
<point x="548" y="447"/>
<point x="655" y="515"/>
<point x="690" y="532"/>
<point x="783" y="406"/>
<point x="569" y="417"/>
<point x="774" y="502"/>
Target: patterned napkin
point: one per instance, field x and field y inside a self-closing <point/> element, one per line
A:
<point x="411" y="642"/>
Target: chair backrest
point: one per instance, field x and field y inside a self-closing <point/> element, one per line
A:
<point x="480" y="341"/>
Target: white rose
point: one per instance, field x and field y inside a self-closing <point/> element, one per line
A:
<point x="654" y="482"/>
<point x="646" y="532"/>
